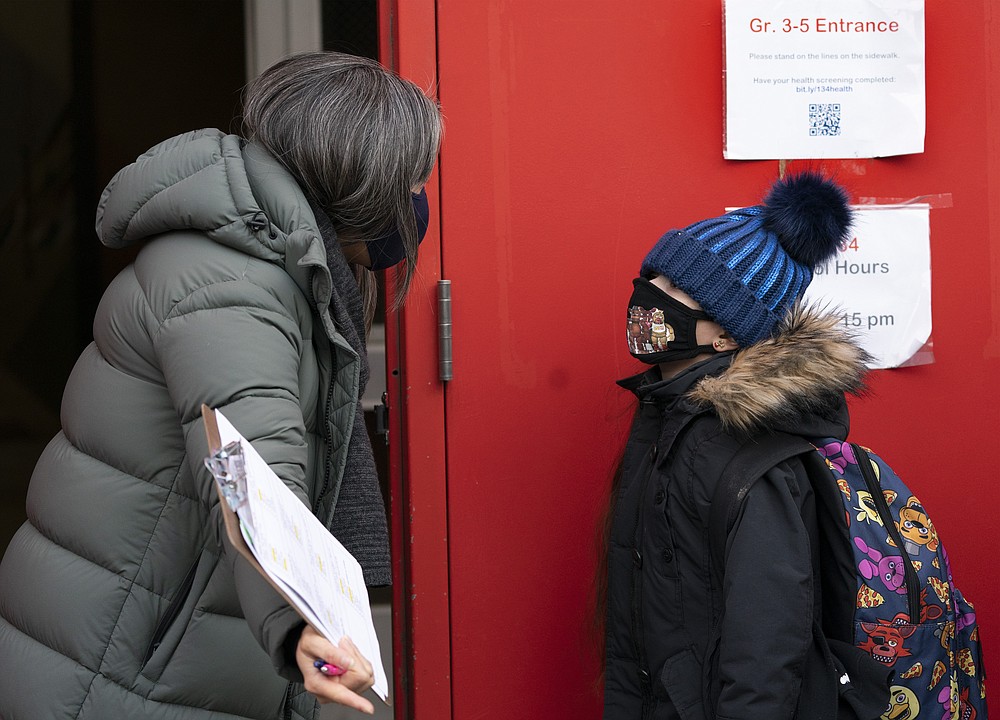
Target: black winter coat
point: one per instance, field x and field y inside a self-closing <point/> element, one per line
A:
<point x="681" y="642"/>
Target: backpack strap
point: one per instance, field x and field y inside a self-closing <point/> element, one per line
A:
<point x="751" y="462"/>
<point x="840" y="682"/>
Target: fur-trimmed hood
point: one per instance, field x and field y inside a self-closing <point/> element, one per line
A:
<point x="803" y="370"/>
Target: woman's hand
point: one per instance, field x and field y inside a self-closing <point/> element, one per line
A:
<point x="343" y="689"/>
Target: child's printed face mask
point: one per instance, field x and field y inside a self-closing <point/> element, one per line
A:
<point x="661" y="328"/>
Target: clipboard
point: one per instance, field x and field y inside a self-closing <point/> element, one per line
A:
<point x="225" y="460"/>
<point x="320" y="579"/>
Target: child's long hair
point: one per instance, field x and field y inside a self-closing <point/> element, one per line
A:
<point x="599" y="599"/>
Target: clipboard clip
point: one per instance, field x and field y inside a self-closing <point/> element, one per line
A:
<point x="228" y="467"/>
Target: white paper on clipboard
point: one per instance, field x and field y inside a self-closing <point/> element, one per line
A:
<point x="276" y="531"/>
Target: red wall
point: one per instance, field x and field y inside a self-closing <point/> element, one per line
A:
<point x="577" y="132"/>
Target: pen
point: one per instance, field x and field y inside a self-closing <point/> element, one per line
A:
<point x="327" y="668"/>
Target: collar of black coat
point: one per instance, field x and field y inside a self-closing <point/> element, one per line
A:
<point x="651" y="388"/>
<point x="803" y="372"/>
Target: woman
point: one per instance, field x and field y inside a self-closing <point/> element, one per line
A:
<point x="118" y="596"/>
<point x="684" y="640"/>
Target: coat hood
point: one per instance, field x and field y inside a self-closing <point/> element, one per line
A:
<point x="220" y="185"/>
<point x="804" y="370"/>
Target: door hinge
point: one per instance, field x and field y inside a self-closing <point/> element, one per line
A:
<point x="382" y="418"/>
<point x="444" y="330"/>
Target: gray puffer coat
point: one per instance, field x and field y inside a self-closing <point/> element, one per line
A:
<point x="117" y="598"/>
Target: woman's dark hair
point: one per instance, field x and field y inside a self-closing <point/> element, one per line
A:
<point x="356" y="136"/>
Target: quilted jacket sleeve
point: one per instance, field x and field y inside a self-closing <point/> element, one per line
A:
<point x="768" y="601"/>
<point x="242" y="346"/>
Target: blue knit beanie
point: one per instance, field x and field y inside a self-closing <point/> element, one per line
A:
<point x="748" y="267"/>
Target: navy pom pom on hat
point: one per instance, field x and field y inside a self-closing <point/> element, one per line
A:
<point x="749" y="267"/>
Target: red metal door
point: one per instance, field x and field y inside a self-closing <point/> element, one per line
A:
<point x="577" y="132"/>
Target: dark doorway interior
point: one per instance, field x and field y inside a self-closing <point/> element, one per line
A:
<point x="90" y="85"/>
<point x="351" y="26"/>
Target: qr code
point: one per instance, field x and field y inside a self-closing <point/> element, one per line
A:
<point x="824" y="119"/>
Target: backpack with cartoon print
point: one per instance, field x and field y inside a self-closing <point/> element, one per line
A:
<point x="908" y="615"/>
<point x="887" y="582"/>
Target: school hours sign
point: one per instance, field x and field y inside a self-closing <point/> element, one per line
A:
<point x="880" y="283"/>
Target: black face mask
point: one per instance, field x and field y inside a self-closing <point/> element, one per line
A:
<point x="388" y="250"/>
<point x="660" y="328"/>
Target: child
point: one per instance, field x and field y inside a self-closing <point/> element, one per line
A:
<point x="745" y="357"/>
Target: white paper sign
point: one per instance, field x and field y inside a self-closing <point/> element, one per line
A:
<point x="823" y="78"/>
<point x="880" y="283"/>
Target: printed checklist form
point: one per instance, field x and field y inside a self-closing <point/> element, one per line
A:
<point x="294" y="551"/>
